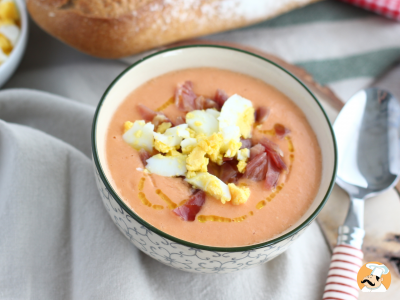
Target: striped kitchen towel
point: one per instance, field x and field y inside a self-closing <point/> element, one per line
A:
<point x="387" y="8"/>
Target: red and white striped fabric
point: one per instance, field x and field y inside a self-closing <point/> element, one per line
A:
<point x="341" y="283"/>
<point x="387" y="8"/>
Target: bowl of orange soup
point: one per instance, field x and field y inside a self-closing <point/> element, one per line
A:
<point x="211" y="159"/>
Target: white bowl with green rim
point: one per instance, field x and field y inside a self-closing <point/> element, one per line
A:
<point x="170" y="250"/>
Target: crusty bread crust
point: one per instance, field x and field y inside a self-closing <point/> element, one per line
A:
<point x="114" y="29"/>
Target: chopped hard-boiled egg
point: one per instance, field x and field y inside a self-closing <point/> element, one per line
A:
<point x="163" y="127"/>
<point x="239" y="194"/>
<point x="140" y="136"/>
<point x="231" y="140"/>
<point x="9" y="28"/>
<point x="207" y="135"/>
<point x="214" y="112"/>
<point x="11" y="32"/>
<point x="211" y="185"/>
<point x="180" y="131"/>
<point x="187" y="145"/>
<point x="237" y="111"/>
<point x="202" y="122"/>
<point x="242" y="156"/>
<point x="170" y="165"/>
<point x="212" y="146"/>
<point x="127" y="125"/>
<point x="8" y="11"/>
<point x="171" y="138"/>
<point x="196" y="161"/>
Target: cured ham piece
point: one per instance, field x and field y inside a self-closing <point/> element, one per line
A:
<point x="190" y="209"/>
<point x="158" y="119"/>
<point x="179" y="120"/>
<point x="220" y="97"/>
<point x="256" y="150"/>
<point x="150" y="115"/>
<point x="262" y="114"/>
<point x="256" y="167"/>
<point x="281" y="131"/>
<point x="271" y="177"/>
<point x="146" y="113"/>
<point x="246" y="143"/>
<point x="274" y="154"/>
<point x="202" y="102"/>
<point x="144" y="155"/>
<point x="229" y="173"/>
<point x="185" y="96"/>
<point x="213" y="169"/>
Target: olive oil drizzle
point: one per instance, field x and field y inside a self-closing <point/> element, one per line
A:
<point x="169" y="102"/>
<point x="171" y="204"/>
<point x="143" y="198"/>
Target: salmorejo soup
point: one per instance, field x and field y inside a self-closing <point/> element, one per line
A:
<point x="213" y="157"/>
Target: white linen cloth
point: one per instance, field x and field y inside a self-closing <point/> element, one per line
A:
<point x="56" y="239"/>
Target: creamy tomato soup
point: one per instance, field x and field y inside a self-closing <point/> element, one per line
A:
<point x="267" y="211"/>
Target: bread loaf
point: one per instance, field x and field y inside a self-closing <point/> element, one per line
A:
<point x="118" y="28"/>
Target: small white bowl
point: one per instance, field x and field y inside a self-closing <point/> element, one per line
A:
<point x="8" y="67"/>
<point x="171" y="250"/>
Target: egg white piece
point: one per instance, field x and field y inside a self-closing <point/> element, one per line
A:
<point x="233" y="111"/>
<point x="11" y="32"/>
<point x="213" y="112"/>
<point x="188" y="142"/>
<point x="203" y="181"/>
<point x="168" y="166"/>
<point x="179" y="131"/>
<point x="202" y="122"/>
<point x="229" y="133"/>
<point x="243" y="154"/>
<point x="169" y="140"/>
<point x="140" y="135"/>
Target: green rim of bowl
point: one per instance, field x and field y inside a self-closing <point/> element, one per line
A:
<point x="182" y="242"/>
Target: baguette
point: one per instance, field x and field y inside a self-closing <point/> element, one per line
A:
<point x="119" y="28"/>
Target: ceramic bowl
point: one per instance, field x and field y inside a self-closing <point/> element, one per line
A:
<point x="168" y="249"/>
<point x="8" y="67"/>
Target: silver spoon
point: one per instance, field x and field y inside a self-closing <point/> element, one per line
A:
<point x="367" y="135"/>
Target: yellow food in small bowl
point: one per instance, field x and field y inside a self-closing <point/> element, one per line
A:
<point x="9" y="28"/>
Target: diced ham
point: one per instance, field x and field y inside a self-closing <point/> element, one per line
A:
<point x="213" y="169"/>
<point x="146" y="113"/>
<point x="158" y="119"/>
<point x="185" y="96"/>
<point x="227" y="158"/>
<point x="179" y="120"/>
<point x="202" y="102"/>
<point x="274" y="154"/>
<point x="271" y="177"/>
<point x="211" y="104"/>
<point x="144" y="155"/>
<point x="281" y="131"/>
<point x="220" y="97"/>
<point x="229" y="173"/>
<point x="152" y="116"/>
<point x="256" y="150"/>
<point x="246" y="143"/>
<point x="256" y="167"/>
<point x="190" y="209"/>
<point x="262" y="114"/>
